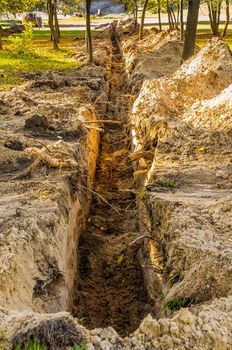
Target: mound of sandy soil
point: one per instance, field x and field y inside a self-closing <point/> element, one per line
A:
<point x="156" y="55"/>
<point x="49" y="146"/>
<point x="182" y="154"/>
<point x="166" y="100"/>
<point x="186" y="121"/>
<point x="215" y="113"/>
<point x="126" y="25"/>
<point x="208" y="327"/>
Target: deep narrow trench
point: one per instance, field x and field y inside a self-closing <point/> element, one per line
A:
<point x="110" y="289"/>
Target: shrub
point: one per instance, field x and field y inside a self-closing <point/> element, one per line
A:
<point x="21" y="45"/>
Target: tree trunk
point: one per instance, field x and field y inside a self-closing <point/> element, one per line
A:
<point x="191" y="28"/>
<point x="175" y="24"/>
<point x="136" y="15"/>
<point x="214" y="10"/>
<point x="170" y="20"/>
<point x="51" y="13"/>
<point x="50" y="17"/>
<point x="181" y="20"/>
<point x="1" y="34"/>
<point x="178" y="15"/>
<point x="142" y="20"/>
<point x="159" y="15"/>
<point x="88" y="31"/>
<point x="227" y="18"/>
<point x="210" y="14"/>
<point x="57" y="27"/>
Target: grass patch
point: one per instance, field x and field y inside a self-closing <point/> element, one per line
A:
<point x="13" y="67"/>
<point x="169" y="183"/>
<point x="79" y="347"/>
<point x="178" y="303"/>
<point x="31" y="345"/>
<point x="204" y="35"/>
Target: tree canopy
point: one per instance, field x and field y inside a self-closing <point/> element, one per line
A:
<point x="15" y="6"/>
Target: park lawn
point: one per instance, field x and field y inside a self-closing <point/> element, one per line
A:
<point x="13" y="68"/>
<point x="204" y="35"/>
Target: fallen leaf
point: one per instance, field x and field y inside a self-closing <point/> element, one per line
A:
<point x="120" y="259"/>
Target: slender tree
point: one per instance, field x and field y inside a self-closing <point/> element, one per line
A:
<point x="143" y="19"/>
<point x="227" y="18"/>
<point x="89" y="41"/>
<point x="181" y="20"/>
<point x="159" y="14"/>
<point x="135" y="12"/>
<point x="214" y="8"/>
<point x="191" y="28"/>
<point x="132" y="7"/>
<point x="57" y="27"/>
<point x="51" y="8"/>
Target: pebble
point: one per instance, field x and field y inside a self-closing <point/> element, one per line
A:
<point x="105" y="345"/>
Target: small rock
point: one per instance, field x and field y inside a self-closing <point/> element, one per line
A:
<point x="105" y="345"/>
<point x="185" y="316"/>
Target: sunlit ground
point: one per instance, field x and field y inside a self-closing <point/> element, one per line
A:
<point x="13" y="67"/>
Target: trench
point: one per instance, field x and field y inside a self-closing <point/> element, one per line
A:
<point x="110" y="289"/>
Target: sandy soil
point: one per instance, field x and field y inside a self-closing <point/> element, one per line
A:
<point x="161" y="197"/>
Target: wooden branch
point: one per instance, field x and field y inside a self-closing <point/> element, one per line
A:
<point x="103" y="121"/>
<point x="139" y="238"/>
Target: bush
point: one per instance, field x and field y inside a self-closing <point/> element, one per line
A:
<point x="22" y="45"/>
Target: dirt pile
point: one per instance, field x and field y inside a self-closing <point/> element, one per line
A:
<point x="126" y="26"/>
<point x="179" y="202"/>
<point x="215" y="113"/>
<point x="102" y="54"/>
<point x="49" y="147"/>
<point x="207" y="327"/>
<point x="184" y="120"/>
<point x="156" y="55"/>
<point x="203" y="77"/>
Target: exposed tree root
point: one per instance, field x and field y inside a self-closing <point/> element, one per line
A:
<point x="49" y="160"/>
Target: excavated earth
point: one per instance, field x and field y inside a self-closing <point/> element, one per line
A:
<point x="116" y="206"/>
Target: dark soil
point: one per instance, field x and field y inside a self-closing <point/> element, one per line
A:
<point x="111" y="290"/>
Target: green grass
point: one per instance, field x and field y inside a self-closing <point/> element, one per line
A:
<point x="34" y="344"/>
<point x="67" y="34"/>
<point x="31" y="345"/>
<point x="178" y="303"/>
<point x="204" y="35"/>
<point x="169" y="183"/>
<point x="13" y="67"/>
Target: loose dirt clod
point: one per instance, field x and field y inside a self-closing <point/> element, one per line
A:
<point x="54" y="333"/>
